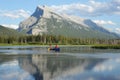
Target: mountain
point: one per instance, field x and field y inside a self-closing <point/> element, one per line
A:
<point x="46" y="21"/>
<point x="4" y="31"/>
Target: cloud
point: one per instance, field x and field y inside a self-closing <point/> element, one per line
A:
<point x="15" y="14"/>
<point x="117" y="30"/>
<point x="73" y="9"/>
<point x="91" y="8"/>
<point x="11" y="26"/>
<point x="103" y="67"/>
<point x="103" y="22"/>
<point x="11" y="15"/>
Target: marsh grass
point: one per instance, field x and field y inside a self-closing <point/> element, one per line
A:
<point x="106" y="46"/>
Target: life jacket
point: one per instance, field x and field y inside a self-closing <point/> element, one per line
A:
<point x="56" y="46"/>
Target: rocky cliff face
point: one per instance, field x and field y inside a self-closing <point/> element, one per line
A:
<point x="46" y="21"/>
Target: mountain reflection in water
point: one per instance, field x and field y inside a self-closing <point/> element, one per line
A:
<point x="57" y="67"/>
<point x="45" y="67"/>
<point x="50" y="67"/>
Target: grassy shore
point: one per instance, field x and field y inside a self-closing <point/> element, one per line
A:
<point x="92" y="46"/>
<point x="106" y="46"/>
<point x="2" y="44"/>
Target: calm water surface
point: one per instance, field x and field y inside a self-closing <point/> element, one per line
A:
<point x="71" y="63"/>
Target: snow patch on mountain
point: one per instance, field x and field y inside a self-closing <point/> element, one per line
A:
<point x="75" y="19"/>
<point x="38" y="31"/>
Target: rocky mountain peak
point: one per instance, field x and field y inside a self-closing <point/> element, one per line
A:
<point x="42" y="11"/>
<point x="46" y="21"/>
<point x="44" y="7"/>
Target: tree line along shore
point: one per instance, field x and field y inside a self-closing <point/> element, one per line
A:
<point x="60" y="40"/>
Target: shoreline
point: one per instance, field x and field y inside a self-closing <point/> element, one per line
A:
<point x="106" y="46"/>
<point x="94" y="46"/>
<point x="40" y="45"/>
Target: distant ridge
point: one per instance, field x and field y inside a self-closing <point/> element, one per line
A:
<point x="4" y="31"/>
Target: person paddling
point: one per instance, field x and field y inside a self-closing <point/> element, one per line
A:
<point x="50" y="47"/>
<point x="57" y="49"/>
<point x="56" y="46"/>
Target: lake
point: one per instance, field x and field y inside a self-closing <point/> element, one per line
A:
<point x="71" y="63"/>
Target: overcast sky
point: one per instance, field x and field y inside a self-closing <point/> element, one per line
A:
<point x="103" y="12"/>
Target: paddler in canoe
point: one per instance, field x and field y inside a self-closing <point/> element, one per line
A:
<point x="56" y="48"/>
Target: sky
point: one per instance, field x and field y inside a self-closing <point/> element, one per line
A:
<point x="103" y="12"/>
